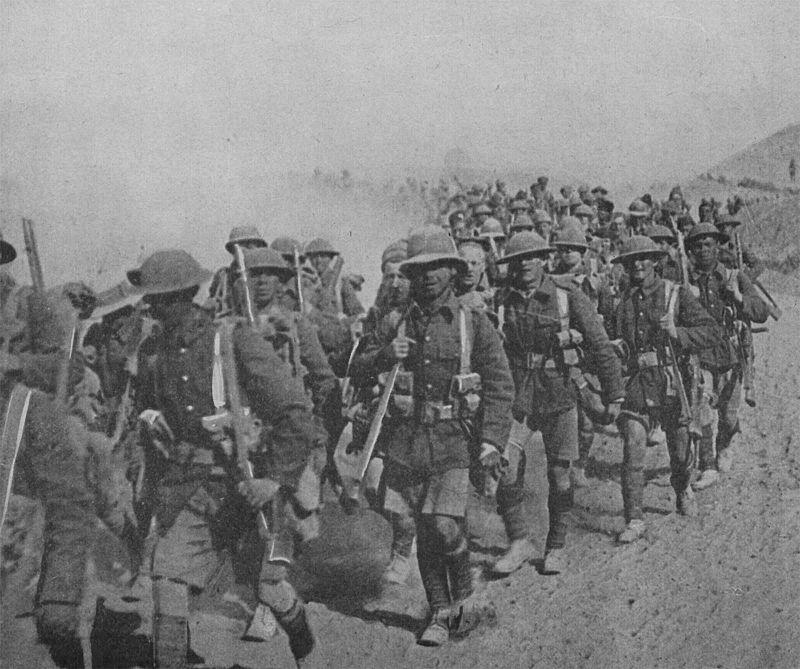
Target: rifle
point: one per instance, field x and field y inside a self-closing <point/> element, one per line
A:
<point x="353" y="466"/>
<point x="298" y="271"/>
<point x="744" y="334"/>
<point x="246" y="429"/>
<point x="37" y="278"/>
<point x="774" y="310"/>
<point x="690" y="409"/>
<point x="330" y="283"/>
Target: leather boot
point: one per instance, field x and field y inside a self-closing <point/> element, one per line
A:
<point x="560" y="504"/>
<point x="519" y="552"/>
<point x="295" y="624"/>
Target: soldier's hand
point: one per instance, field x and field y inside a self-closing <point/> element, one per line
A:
<point x="667" y="324"/>
<point x="401" y="347"/>
<point x="612" y="411"/>
<point x="157" y="426"/>
<point x="258" y="492"/>
<point x="733" y="287"/>
<point x="492" y="463"/>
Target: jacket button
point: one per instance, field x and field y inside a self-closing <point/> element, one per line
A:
<point x="181" y="350"/>
<point x="189" y="408"/>
<point x="427" y="337"/>
<point x="427" y="361"/>
<point x="184" y="378"/>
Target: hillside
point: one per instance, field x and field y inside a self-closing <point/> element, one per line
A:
<point x="766" y="160"/>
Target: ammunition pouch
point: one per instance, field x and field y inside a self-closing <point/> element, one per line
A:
<point x="437" y="412"/>
<point x="403" y="395"/>
<point x="465" y="395"/>
<point x="531" y="360"/>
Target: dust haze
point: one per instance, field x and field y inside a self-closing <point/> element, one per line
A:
<point x="128" y="127"/>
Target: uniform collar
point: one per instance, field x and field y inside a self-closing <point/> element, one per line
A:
<point x="447" y="305"/>
<point x="649" y="288"/>
<point x="717" y="270"/>
<point x="189" y="330"/>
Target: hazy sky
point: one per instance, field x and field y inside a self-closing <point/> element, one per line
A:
<point x="151" y="110"/>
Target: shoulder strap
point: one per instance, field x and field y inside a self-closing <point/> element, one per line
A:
<point x="671" y="291"/>
<point x="466" y="335"/>
<point x="217" y="375"/>
<point x="562" y="298"/>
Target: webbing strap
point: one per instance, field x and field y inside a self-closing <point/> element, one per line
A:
<point x="466" y="342"/>
<point x="217" y="375"/>
<point x="671" y="296"/>
<point x="10" y="440"/>
<point x="562" y="298"/>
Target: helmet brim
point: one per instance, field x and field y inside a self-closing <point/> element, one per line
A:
<point x="522" y="255"/>
<point x="7" y="252"/>
<point x="419" y="261"/>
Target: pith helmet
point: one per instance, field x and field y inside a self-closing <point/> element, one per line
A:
<point x="264" y="258"/>
<point x="478" y="240"/>
<point x="525" y="244"/>
<point x="583" y="210"/>
<point x="731" y="220"/>
<point x="395" y="252"/>
<point x="705" y="230"/>
<point x="638" y="247"/>
<point x="570" y="235"/>
<point x="492" y="228"/>
<point x="244" y="234"/>
<point x="7" y="252"/>
<point x="320" y="246"/>
<point x="541" y="216"/>
<point x="519" y="205"/>
<point x="431" y="245"/>
<point x="521" y="222"/>
<point x="659" y="233"/>
<point x="483" y="208"/>
<point x="286" y="246"/>
<point x="638" y="209"/>
<point x="167" y="272"/>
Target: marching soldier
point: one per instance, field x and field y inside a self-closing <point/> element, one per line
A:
<point x="391" y="303"/>
<point x="730" y="298"/>
<point x="668" y="266"/>
<point x="659" y="322"/>
<point x="39" y="442"/>
<point x="753" y="266"/>
<point x="571" y="248"/>
<point x="434" y="427"/>
<point x="339" y="291"/>
<point x="196" y="506"/>
<point x="247" y="237"/>
<point x="546" y="319"/>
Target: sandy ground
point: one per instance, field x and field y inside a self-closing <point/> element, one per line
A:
<point x="718" y="590"/>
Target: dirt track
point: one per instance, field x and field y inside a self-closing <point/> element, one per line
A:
<point x="718" y="590"/>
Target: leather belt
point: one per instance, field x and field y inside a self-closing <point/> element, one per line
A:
<point x="533" y="360"/>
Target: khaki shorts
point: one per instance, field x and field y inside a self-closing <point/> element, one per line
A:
<point x="442" y="494"/>
<point x="559" y="433"/>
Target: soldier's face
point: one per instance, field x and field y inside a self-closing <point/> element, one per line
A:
<point x="476" y="262"/>
<point x="527" y="272"/>
<point x="706" y="252"/>
<point x="569" y="257"/>
<point x="320" y="262"/>
<point x="641" y="271"/>
<point x="394" y="285"/>
<point x="266" y="287"/>
<point x="432" y="281"/>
